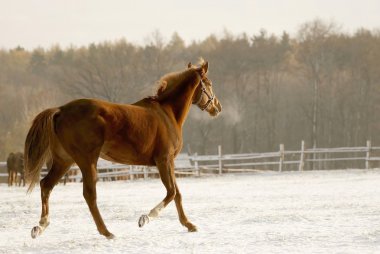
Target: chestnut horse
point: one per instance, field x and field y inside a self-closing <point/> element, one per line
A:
<point x="12" y="171"/>
<point x="148" y="132"/>
<point x="15" y="165"/>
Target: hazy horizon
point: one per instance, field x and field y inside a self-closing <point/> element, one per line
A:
<point x="32" y="24"/>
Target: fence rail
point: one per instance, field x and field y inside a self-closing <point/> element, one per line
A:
<point x="220" y="163"/>
<point x="366" y="154"/>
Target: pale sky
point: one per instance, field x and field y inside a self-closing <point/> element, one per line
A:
<point x="33" y="23"/>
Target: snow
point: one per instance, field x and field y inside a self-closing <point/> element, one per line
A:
<point x="264" y="212"/>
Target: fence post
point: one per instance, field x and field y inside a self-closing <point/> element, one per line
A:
<point x="312" y="164"/>
<point x="196" y="164"/>
<point x="368" y="156"/>
<point x="281" y="157"/>
<point x="220" y="159"/>
<point x="145" y="172"/>
<point x="131" y="176"/>
<point x="302" y="157"/>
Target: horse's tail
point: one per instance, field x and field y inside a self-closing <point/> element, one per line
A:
<point x="37" y="145"/>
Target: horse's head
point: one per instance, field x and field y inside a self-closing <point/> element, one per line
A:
<point x="204" y="96"/>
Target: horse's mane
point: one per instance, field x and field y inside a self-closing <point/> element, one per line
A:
<point x="169" y="82"/>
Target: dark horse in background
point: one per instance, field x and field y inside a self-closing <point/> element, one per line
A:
<point x="15" y="166"/>
<point x="148" y="132"/>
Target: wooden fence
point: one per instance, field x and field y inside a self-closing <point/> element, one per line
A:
<point x="316" y="158"/>
<point x="304" y="159"/>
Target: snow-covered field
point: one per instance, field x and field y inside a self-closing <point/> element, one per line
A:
<point x="264" y="212"/>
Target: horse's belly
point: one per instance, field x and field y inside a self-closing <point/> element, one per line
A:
<point x="126" y="154"/>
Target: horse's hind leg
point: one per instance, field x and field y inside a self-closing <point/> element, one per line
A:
<point x="10" y="178"/>
<point x="87" y="160"/>
<point x="14" y="178"/>
<point x="57" y="170"/>
<point x="20" y="180"/>
<point x="89" y="173"/>
<point x="65" y="178"/>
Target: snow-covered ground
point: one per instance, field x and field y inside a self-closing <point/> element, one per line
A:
<point x="264" y="212"/>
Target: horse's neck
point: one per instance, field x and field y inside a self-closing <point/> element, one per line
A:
<point x="181" y="102"/>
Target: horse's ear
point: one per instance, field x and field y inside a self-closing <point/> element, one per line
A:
<point x="205" y="67"/>
<point x="189" y="65"/>
<point x="162" y="87"/>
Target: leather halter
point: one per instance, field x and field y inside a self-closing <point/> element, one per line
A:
<point x="209" y="97"/>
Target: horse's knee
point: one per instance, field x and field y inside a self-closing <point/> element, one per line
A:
<point x="171" y="194"/>
<point x="178" y="196"/>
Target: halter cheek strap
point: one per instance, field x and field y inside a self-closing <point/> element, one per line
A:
<point x="210" y="98"/>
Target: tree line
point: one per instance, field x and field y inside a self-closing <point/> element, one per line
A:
<point x="321" y="85"/>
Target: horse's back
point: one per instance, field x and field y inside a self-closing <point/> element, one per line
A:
<point x="96" y="114"/>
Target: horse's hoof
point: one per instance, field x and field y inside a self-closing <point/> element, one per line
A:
<point x="192" y="228"/>
<point x="110" y="236"/>
<point x="144" y="219"/>
<point x="36" y="231"/>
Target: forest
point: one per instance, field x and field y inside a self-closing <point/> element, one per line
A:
<point x="321" y="85"/>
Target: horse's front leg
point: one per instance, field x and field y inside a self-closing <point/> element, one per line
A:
<point x="166" y="169"/>
<point x="181" y="213"/>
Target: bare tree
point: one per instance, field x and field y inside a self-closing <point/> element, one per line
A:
<point x="313" y="56"/>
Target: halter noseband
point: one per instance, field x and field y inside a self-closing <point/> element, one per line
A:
<point x="209" y="100"/>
